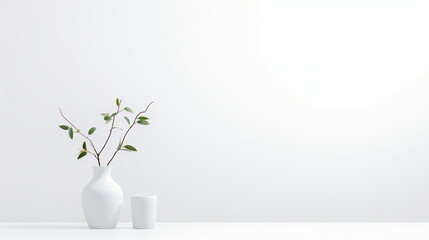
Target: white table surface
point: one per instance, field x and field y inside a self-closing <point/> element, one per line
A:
<point x="217" y="230"/>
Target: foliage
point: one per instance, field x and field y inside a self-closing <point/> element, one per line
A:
<point x="108" y="118"/>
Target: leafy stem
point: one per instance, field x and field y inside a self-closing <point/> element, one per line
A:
<point x="72" y="129"/>
<point x="111" y="128"/>
<point x="126" y="133"/>
<point x="96" y="155"/>
<point x="89" y="152"/>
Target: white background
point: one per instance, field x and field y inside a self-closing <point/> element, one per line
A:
<point x="264" y="110"/>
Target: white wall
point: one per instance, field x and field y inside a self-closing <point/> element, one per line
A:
<point x="264" y="110"/>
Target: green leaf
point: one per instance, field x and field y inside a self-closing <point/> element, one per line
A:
<point x="114" y="114"/>
<point x="104" y="114"/>
<point x="64" y="127"/>
<point x="128" y="109"/>
<point x="81" y="155"/>
<point x="143" y="122"/>
<point x="118" y="128"/>
<point x="143" y="118"/>
<point x="131" y="148"/>
<point x="107" y="118"/>
<point x="118" y="102"/>
<point x="71" y="133"/>
<point x="84" y="145"/>
<point x="91" y="130"/>
<point x="128" y="120"/>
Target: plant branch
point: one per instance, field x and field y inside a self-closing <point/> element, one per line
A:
<point x="90" y="153"/>
<point x="126" y="133"/>
<point x="83" y="135"/>
<point x="110" y="131"/>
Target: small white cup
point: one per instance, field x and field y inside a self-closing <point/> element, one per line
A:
<point x="143" y="211"/>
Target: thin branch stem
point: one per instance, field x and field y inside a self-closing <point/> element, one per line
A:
<point x="110" y="131"/>
<point x="83" y="135"/>
<point x="126" y="133"/>
<point x="90" y="153"/>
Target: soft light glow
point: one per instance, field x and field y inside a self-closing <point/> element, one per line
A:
<point x="344" y="55"/>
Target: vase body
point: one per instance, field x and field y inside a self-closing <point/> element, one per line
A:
<point x="102" y="199"/>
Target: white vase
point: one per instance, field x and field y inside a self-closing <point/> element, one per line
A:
<point x="102" y="199"/>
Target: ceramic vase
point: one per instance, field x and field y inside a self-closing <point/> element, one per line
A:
<point x="102" y="199"/>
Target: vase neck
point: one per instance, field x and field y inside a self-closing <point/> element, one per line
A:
<point x="101" y="172"/>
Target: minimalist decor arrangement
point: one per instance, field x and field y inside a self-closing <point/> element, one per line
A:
<point x="102" y="197"/>
<point x="143" y="210"/>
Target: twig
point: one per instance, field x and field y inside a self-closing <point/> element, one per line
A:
<point x="126" y="133"/>
<point x="96" y="155"/>
<point x="90" y="153"/>
<point x="110" y="132"/>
